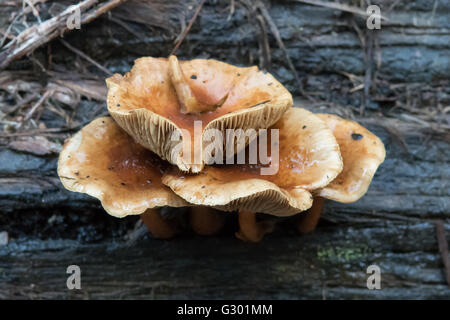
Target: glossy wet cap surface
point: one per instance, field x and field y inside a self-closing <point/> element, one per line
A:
<point x="104" y="162"/>
<point x="362" y="153"/>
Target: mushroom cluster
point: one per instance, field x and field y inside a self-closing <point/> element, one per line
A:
<point x="155" y="150"/>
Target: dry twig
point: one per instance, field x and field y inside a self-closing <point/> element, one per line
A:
<point x="274" y="29"/>
<point x="35" y="36"/>
<point x="341" y="7"/>
<point x="86" y="57"/>
<point x="186" y="30"/>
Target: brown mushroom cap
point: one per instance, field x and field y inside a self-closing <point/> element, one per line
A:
<point x="362" y="153"/>
<point x="144" y="102"/>
<point x="309" y="158"/>
<point x="104" y="162"/>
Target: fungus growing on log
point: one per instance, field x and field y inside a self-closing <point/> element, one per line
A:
<point x="160" y="99"/>
<point x="122" y="160"/>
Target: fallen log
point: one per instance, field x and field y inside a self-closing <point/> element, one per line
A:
<point x="329" y="264"/>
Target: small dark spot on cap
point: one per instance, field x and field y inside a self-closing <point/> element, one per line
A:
<point x="103" y="121"/>
<point x="162" y="81"/>
<point x="194" y="77"/>
<point x="122" y="183"/>
<point x="204" y="81"/>
<point x="203" y="187"/>
<point x="110" y="168"/>
<point x="238" y="74"/>
<point x="118" y="104"/>
<point x="270" y="83"/>
<point x="304" y="127"/>
<point x="88" y="177"/>
<point x="77" y="173"/>
<point x="357" y="136"/>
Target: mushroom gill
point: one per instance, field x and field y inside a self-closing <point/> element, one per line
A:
<point x="160" y="101"/>
<point x="321" y="155"/>
<point x="309" y="159"/>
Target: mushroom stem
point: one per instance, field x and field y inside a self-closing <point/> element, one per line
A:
<point x="161" y="228"/>
<point x="187" y="99"/>
<point x="251" y="230"/>
<point x="308" y="221"/>
<point x="205" y="221"/>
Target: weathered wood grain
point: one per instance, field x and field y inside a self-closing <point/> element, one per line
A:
<point x="329" y="264"/>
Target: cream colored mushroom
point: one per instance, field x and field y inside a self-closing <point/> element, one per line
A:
<point x="103" y="161"/>
<point x="362" y="153"/>
<point x="160" y="99"/>
<point x="309" y="159"/>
